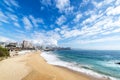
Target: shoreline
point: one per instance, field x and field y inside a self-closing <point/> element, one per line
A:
<point x="44" y="71"/>
<point x="72" y="74"/>
<point x="91" y="77"/>
<point x="32" y="66"/>
<point x="85" y="72"/>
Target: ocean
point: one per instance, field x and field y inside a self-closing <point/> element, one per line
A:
<point x="99" y="63"/>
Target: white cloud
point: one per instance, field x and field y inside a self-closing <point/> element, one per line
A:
<point x="10" y="9"/>
<point x="98" y="23"/>
<point x="112" y="38"/>
<point x="36" y="21"/>
<point x="61" y="20"/>
<point x="93" y="26"/>
<point x="46" y="2"/>
<point x="12" y="17"/>
<point x="112" y="31"/>
<point x="91" y="19"/>
<point x="3" y="17"/>
<point x="7" y="17"/>
<point x="11" y="3"/>
<point x="6" y="39"/>
<point x="116" y="30"/>
<point x="45" y="38"/>
<point x="84" y="2"/>
<point x="20" y="31"/>
<point x="72" y="33"/>
<point x="101" y="25"/>
<point x="97" y="43"/>
<point x="64" y="6"/>
<point x="53" y="35"/>
<point x="84" y="32"/>
<point x="117" y="2"/>
<point x="103" y="3"/>
<point x="16" y="24"/>
<point x="77" y="18"/>
<point x="114" y="11"/>
<point x="28" y="25"/>
<point x="57" y="29"/>
<point x="64" y="29"/>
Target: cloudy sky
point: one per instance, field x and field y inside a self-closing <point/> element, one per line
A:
<point x="86" y="24"/>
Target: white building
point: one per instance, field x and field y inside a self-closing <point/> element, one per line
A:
<point x="27" y="44"/>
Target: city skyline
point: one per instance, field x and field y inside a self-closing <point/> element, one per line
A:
<point x="85" y="24"/>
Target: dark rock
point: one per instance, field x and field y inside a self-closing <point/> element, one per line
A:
<point x="118" y="63"/>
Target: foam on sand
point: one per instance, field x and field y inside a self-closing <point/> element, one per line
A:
<point x="24" y="52"/>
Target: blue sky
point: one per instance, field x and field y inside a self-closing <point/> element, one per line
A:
<point x="86" y="24"/>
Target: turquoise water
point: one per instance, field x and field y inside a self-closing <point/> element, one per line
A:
<point x="102" y="62"/>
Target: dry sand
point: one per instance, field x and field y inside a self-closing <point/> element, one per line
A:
<point x="34" y="67"/>
<point x="13" y="68"/>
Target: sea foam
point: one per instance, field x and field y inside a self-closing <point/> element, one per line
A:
<point x="54" y="60"/>
<point x="24" y="52"/>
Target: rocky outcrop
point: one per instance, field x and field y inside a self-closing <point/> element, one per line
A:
<point x="118" y="63"/>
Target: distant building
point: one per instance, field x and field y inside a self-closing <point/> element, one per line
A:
<point x="19" y="45"/>
<point x="27" y="45"/>
<point x="39" y="47"/>
<point x="24" y="44"/>
<point x="11" y="46"/>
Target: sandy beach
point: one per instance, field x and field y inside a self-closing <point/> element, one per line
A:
<point x="33" y="67"/>
<point x="14" y="68"/>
